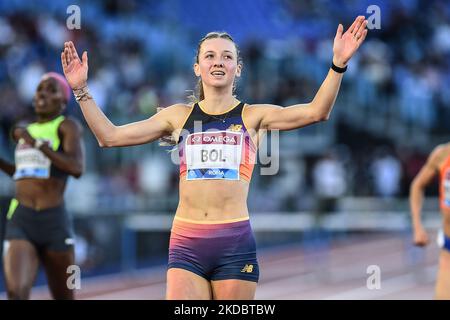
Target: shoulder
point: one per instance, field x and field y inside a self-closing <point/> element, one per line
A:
<point x="177" y="109"/>
<point x="446" y="148"/>
<point x="180" y="106"/>
<point x="256" y="113"/>
<point x="70" y="125"/>
<point x="176" y="114"/>
<point x="261" y="107"/>
<point x="440" y="151"/>
<point x="259" y="110"/>
<point x="439" y="154"/>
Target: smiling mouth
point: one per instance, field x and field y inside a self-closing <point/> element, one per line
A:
<point x="40" y="103"/>
<point x="218" y="73"/>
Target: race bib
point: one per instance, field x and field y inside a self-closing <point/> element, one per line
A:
<point x="213" y="155"/>
<point x="31" y="163"/>
<point x="447" y="188"/>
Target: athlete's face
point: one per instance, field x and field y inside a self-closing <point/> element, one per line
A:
<point x="49" y="98"/>
<point x="217" y="63"/>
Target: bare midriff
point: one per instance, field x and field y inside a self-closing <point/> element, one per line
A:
<point x="40" y="194"/>
<point x="213" y="200"/>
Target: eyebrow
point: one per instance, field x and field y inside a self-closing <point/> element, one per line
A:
<point x="48" y="81"/>
<point x="210" y="51"/>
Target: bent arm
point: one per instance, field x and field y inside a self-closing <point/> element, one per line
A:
<point x="102" y="128"/>
<point x="418" y="185"/>
<point x="140" y="132"/>
<point x="71" y="160"/>
<point x="107" y="134"/>
<point x="300" y="115"/>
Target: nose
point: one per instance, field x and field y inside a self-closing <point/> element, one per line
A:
<point x="41" y="94"/>
<point x="218" y="64"/>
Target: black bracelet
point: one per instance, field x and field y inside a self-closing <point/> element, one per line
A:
<point x="338" y="69"/>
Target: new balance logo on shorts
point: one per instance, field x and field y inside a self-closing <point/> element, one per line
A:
<point x="248" y="268"/>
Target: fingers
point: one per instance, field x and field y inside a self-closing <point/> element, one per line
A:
<point x="66" y="53"/>
<point x="339" y="31"/>
<point x="85" y="58"/>
<point x="63" y="61"/>
<point x="363" y="37"/>
<point x="421" y="239"/>
<point x="356" y="24"/>
<point x="69" y="50"/>
<point x="421" y="243"/>
<point x="70" y="54"/>
<point x="362" y="27"/>
<point x="67" y="56"/>
<point x="73" y="51"/>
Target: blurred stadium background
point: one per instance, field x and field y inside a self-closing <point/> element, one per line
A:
<point x="317" y="233"/>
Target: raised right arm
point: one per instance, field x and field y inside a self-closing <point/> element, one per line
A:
<point x="140" y="132"/>
<point x="108" y="134"/>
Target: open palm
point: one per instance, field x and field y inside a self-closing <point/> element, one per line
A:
<point x="75" y="70"/>
<point x="346" y="44"/>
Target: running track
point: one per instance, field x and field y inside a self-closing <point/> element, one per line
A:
<point x="299" y="272"/>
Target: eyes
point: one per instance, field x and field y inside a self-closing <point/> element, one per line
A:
<point x="226" y="57"/>
<point x="47" y="87"/>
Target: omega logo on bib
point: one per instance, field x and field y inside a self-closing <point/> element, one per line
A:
<point x="213" y="155"/>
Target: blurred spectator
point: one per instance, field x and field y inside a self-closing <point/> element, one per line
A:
<point x="386" y="173"/>
<point x="141" y="55"/>
<point x="153" y="173"/>
<point x="329" y="181"/>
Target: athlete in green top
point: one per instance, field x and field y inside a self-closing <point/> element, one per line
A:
<point x="38" y="227"/>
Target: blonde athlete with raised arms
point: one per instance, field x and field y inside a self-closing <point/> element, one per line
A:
<point x="212" y="251"/>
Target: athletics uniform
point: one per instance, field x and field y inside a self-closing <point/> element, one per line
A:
<point x="217" y="147"/>
<point x="50" y="228"/>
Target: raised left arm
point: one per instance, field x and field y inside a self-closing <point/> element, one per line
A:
<point x="300" y="115"/>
